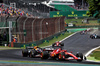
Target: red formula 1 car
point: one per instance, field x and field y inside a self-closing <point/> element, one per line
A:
<point x="60" y="54"/>
<point x="57" y="44"/>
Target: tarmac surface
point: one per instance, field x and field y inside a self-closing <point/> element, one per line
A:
<point x="76" y="43"/>
<point x="80" y="43"/>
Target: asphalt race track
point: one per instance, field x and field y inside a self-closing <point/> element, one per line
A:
<point x="76" y="43"/>
<point x="80" y="43"/>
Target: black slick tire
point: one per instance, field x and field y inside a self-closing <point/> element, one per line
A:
<point x="79" y="55"/>
<point x="25" y="53"/>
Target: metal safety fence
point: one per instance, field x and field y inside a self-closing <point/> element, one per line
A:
<point x="28" y="29"/>
<point x="32" y="29"/>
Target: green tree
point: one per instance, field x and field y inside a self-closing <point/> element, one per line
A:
<point x="94" y="8"/>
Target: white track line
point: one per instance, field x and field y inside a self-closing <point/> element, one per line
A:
<point x="68" y="37"/>
<point x="63" y="39"/>
<point x="89" y="52"/>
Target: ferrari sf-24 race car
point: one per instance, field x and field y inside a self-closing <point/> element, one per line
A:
<point x="57" y="44"/>
<point x="45" y="53"/>
<point x="60" y="54"/>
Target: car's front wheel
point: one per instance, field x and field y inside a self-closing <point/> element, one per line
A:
<point x="79" y="55"/>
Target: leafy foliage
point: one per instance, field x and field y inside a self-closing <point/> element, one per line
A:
<point x="94" y="8"/>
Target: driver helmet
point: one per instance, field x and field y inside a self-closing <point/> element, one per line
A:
<point x="35" y="47"/>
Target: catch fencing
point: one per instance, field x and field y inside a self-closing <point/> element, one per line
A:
<point x="33" y="29"/>
<point x="28" y="29"/>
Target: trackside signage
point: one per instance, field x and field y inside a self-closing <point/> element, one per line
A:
<point x="24" y="32"/>
<point x="68" y="13"/>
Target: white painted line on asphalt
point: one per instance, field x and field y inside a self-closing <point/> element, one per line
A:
<point x="89" y="52"/>
<point x="63" y="39"/>
<point x="68" y="37"/>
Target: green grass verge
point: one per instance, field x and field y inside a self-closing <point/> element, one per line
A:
<point x="79" y="22"/>
<point x="92" y="58"/>
<point x="55" y="39"/>
<point x="95" y="54"/>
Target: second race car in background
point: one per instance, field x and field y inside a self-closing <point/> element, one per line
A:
<point x="94" y="36"/>
<point x="26" y="52"/>
<point x="35" y="51"/>
<point x="83" y="32"/>
<point x="57" y="44"/>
